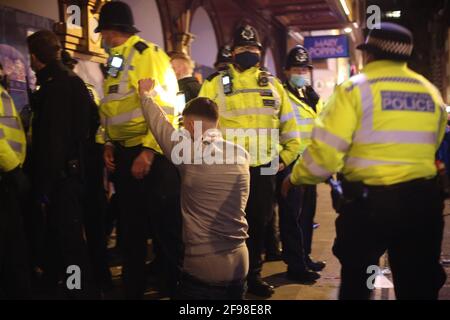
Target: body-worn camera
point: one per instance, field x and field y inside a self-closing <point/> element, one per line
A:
<point x="115" y="65"/>
<point x="227" y="84"/>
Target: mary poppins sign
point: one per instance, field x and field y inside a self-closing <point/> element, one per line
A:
<point x="325" y="47"/>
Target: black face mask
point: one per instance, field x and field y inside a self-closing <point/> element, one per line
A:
<point x="247" y="59"/>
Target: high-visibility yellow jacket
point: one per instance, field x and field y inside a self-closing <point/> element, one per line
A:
<point x="101" y="133"/>
<point x="12" y="136"/>
<point x="305" y="116"/>
<point x="381" y="127"/>
<point x="262" y="117"/>
<point x="120" y="110"/>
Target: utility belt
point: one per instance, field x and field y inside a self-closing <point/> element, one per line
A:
<point x="344" y="192"/>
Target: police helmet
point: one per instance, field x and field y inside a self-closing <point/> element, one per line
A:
<point x="116" y="15"/>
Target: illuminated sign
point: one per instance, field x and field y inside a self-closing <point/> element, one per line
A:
<point x="325" y="47"/>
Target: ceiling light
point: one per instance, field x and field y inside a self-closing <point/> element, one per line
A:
<point x="394" y="14"/>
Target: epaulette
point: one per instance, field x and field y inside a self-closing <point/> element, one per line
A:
<point x="211" y="77"/>
<point x="140" y="46"/>
<point x="264" y="69"/>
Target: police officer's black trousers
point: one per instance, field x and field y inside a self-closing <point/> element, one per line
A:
<point x="290" y="229"/>
<point x="259" y="212"/>
<point x="406" y="221"/>
<point x="14" y="267"/>
<point x="153" y="201"/>
<point x="308" y="205"/>
<point x="272" y="238"/>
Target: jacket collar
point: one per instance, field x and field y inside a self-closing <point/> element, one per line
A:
<point x="380" y="64"/>
<point x="292" y="90"/>
<point x="188" y="79"/>
<point x="130" y="42"/>
<point x="234" y="70"/>
<point x="47" y="73"/>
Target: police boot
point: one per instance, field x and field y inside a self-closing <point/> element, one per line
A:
<point x="274" y="256"/>
<point x="260" y="288"/>
<point x="316" y="266"/>
<point x="302" y="276"/>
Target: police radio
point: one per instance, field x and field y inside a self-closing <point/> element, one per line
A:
<point x="115" y="65"/>
<point x="227" y="84"/>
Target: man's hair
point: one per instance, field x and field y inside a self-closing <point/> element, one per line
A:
<point x="45" y="46"/>
<point x="202" y="107"/>
<point x="184" y="57"/>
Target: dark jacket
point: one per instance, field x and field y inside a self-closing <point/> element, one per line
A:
<point x="63" y="116"/>
<point x="190" y="87"/>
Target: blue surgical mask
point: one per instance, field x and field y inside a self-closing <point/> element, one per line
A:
<point x="299" y="81"/>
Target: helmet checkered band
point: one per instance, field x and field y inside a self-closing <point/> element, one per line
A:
<point x="390" y="46"/>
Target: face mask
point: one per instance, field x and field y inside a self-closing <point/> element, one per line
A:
<point x="247" y="59"/>
<point x="299" y="81"/>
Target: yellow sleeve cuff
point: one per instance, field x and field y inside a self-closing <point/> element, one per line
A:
<point x="287" y="157"/>
<point x="149" y="142"/>
<point x="300" y="175"/>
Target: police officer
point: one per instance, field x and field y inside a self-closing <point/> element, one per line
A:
<point x="298" y="211"/>
<point x="184" y="69"/>
<point x="224" y="58"/>
<point x="381" y="130"/>
<point x="252" y="100"/>
<point x="14" y="268"/>
<point x="146" y="182"/>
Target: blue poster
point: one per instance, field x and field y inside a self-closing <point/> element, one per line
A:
<point x="325" y="47"/>
<point x="15" y="26"/>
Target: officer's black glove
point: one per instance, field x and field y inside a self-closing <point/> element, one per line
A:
<point x="311" y="96"/>
<point x="18" y="182"/>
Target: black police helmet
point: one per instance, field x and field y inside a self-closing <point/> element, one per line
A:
<point x="246" y="36"/>
<point x="298" y="57"/>
<point x="389" y="41"/>
<point x="116" y="15"/>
